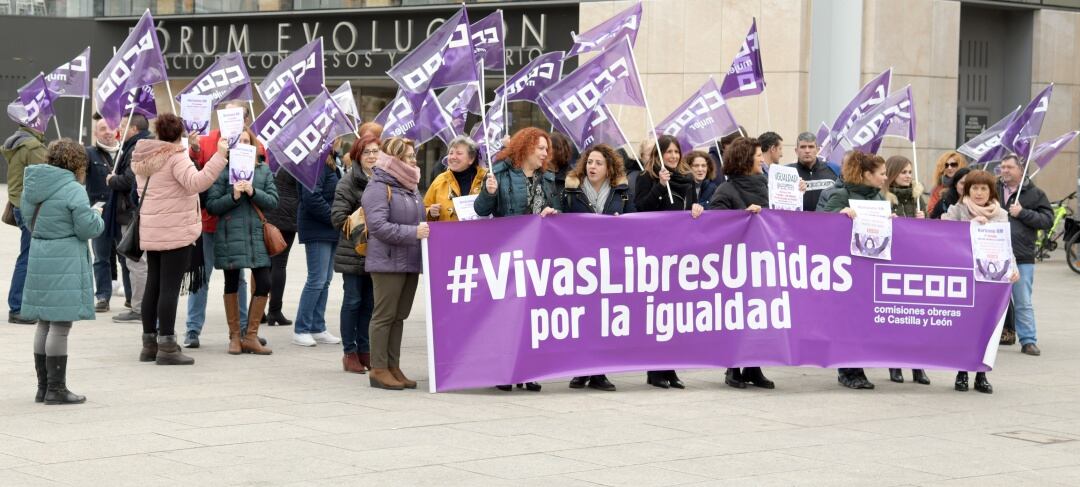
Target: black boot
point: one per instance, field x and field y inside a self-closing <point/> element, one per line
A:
<point x="42" y="377"/>
<point x="506" y="388"/>
<point x="961" y="382"/>
<point x="656" y="379"/>
<point x="169" y="352"/>
<point x="149" y="347"/>
<point x="896" y="375"/>
<point x="755" y="376"/>
<point x="601" y="383"/>
<point x="733" y="378"/>
<point x="275" y="318"/>
<point x="920" y="377"/>
<point x="533" y="386"/>
<point x="57" y="392"/>
<point x="579" y="382"/>
<point x="982" y="385"/>
<point x="864" y="383"/>
<point x="673" y="380"/>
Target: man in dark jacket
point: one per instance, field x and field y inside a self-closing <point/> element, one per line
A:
<point x="1026" y="217"/>
<point x="100" y="154"/>
<point x="25" y="147"/>
<point x="811" y="168"/>
<point x="121" y="208"/>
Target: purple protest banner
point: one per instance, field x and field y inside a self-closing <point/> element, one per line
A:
<point x="419" y="117"/>
<point x="277" y="115"/>
<point x="1020" y="135"/>
<point x="609" y="78"/>
<point x="537" y="76"/>
<point x="747" y="75"/>
<point x="458" y="101"/>
<point x="986" y="146"/>
<point x="71" y="79"/>
<point x="302" y="145"/>
<point x="895" y="116"/>
<point x="37" y="100"/>
<point x="304" y="66"/>
<point x="343" y="96"/>
<point x="142" y="98"/>
<point x="445" y="58"/>
<point x="226" y="79"/>
<point x="489" y="41"/>
<point x="137" y="63"/>
<point x="700" y="120"/>
<point x="868" y="97"/>
<point x="623" y="25"/>
<point x="1044" y="153"/>
<point x="520" y="299"/>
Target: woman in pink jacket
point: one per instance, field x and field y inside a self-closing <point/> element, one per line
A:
<point x="170" y="221"/>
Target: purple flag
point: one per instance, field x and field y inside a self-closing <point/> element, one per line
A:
<point x="535" y="77"/>
<point x="986" y="146"/>
<point x="343" y="96"/>
<point x="610" y="78"/>
<point x="746" y="76"/>
<point x="302" y="145"/>
<point x="624" y="25"/>
<point x="1044" y="153"/>
<point x="489" y="133"/>
<point x="304" y="66"/>
<point x="458" y="101"/>
<point x="871" y="95"/>
<point x="701" y="119"/>
<point x="445" y="58"/>
<point x="601" y="129"/>
<point x="893" y="117"/>
<point x="738" y="296"/>
<point x="1020" y="136"/>
<point x="137" y="63"/>
<point x="226" y="79"/>
<point x="141" y="98"/>
<point x="277" y="115"/>
<point x="419" y="117"/>
<point x="71" y="79"/>
<point x="37" y="101"/>
<point x="488" y="41"/>
<point x="822" y="134"/>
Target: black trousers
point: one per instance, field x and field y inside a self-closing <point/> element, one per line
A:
<point x="260" y="275"/>
<point x="277" y="277"/>
<point x="164" y="275"/>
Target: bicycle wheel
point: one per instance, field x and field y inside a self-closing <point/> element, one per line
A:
<point x="1072" y="252"/>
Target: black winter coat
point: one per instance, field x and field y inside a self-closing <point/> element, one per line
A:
<point x="739" y="192"/>
<point x="618" y="201"/>
<point x="97" y="169"/>
<point x="346" y="200"/>
<point x="821" y="170"/>
<point x="650" y="195"/>
<point x="1036" y="215"/>
<point x="121" y="202"/>
<point x="284" y="216"/>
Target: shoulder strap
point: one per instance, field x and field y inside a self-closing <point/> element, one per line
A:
<point x="259" y="212"/>
<point x="143" y="196"/>
<point x="33" y="220"/>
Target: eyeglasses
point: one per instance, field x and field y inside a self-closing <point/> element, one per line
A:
<point x="374" y="152"/>
<point x="952" y="164"/>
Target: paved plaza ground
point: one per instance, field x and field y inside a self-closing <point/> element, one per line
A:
<point x="295" y="418"/>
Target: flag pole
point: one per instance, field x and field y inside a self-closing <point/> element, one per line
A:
<point x="719" y="153"/>
<point x="915" y="169"/>
<point x="652" y="125"/>
<point x="82" y="120"/>
<point x="56" y="123"/>
<point x="120" y="152"/>
<point x="768" y="116"/>
<point x="1020" y="187"/>
<point x="631" y="146"/>
<point x="172" y="102"/>
<point x="483" y="116"/>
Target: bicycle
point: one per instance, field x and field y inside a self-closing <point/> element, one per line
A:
<point x="1047" y="241"/>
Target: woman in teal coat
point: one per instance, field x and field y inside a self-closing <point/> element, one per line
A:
<point x="238" y="245"/>
<point x="59" y="279"/>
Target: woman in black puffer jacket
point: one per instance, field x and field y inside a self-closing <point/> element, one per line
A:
<point x="284" y="218"/>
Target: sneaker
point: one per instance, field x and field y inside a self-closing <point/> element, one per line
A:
<point x="192" y="340"/>
<point x="303" y="339"/>
<point x="19" y="320"/>
<point x="101" y="306"/>
<point x="127" y="317"/>
<point x="325" y="337"/>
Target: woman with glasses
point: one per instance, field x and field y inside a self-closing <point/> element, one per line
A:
<point x="947" y="165"/>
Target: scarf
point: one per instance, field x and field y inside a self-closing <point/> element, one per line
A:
<point x="983" y="211"/>
<point x="597" y="199"/>
<point x="111" y="150"/>
<point x="465" y="179"/>
<point x="407" y="176"/>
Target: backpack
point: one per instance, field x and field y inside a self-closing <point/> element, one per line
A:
<point x="355" y="228"/>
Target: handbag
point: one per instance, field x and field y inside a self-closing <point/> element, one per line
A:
<point x="129" y="242"/>
<point x="355" y="228"/>
<point x="9" y="215"/>
<point x="275" y="243"/>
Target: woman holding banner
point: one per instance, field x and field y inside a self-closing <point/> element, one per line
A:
<point x="463" y="177"/>
<point x="905" y="194"/>
<point x="863" y="177"/>
<point x="979" y="205"/>
<point x="521" y="184"/>
<point x="169" y="185"/>
<point x="745" y="189"/>
<point x="239" y="245"/>
<point x="666" y="185"/>
<point x="944" y="173"/>
<point x="597" y="185"/>
<point x="395" y="222"/>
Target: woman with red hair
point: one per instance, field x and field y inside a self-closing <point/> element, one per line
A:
<point x="521" y="184"/>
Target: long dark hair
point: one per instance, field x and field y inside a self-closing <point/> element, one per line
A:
<point x="953" y="196"/>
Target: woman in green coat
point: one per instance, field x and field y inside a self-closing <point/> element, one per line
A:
<point x="59" y="279"/>
<point x="864" y="176"/>
<point x="238" y="245"/>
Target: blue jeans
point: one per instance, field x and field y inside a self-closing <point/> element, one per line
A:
<point x="103" y="251"/>
<point x="18" y="277"/>
<point x="356" y="308"/>
<point x="1021" y="298"/>
<point x="196" y="303"/>
<point x="311" y="315"/>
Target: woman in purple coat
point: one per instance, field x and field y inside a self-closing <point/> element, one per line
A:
<point x="394" y="212"/>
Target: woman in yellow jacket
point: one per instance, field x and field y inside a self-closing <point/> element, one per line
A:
<point x="462" y="177"/>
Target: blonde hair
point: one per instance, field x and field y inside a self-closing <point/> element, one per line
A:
<point x="396" y="147"/>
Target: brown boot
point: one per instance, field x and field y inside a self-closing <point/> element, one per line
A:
<point x="400" y="376"/>
<point x="365" y="359"/>
<point x="351" y="363"/>
<point x="250" y="342"/>
<point x="383" y="379"/>
<point x="232" y="317"/>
